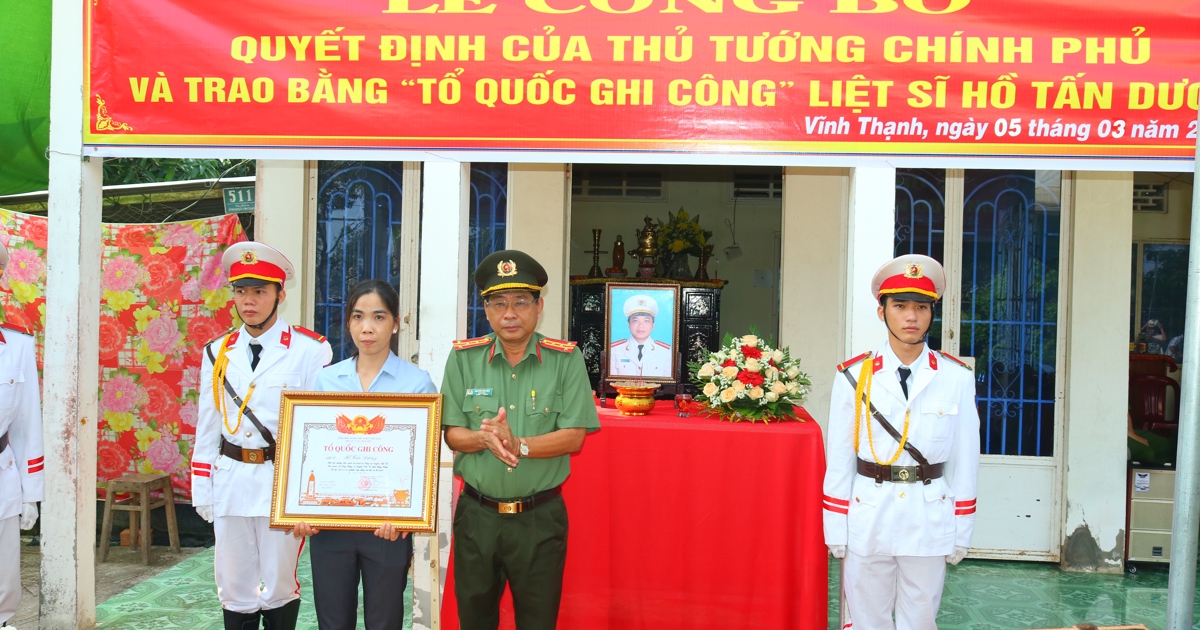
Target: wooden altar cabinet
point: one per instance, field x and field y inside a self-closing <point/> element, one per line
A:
<point x="699" y="320"/>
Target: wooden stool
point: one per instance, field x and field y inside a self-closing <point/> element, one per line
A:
<point x="139" y="486"/>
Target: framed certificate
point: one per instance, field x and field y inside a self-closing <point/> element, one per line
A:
<point x="357" y="461"/>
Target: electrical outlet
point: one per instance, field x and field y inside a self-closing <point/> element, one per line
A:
<point x="764" y="278"/>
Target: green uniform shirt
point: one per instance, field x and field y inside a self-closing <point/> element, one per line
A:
<point x="547" y="391"/>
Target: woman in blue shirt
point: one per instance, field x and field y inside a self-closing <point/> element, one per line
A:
<point x="381" y="558"/>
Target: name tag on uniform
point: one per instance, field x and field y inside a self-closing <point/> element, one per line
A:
<point x="624" y="360"/>
<point x="479" y="392"/>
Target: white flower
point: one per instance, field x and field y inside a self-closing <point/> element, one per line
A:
<point x="729" y="372"/>
<point x="749" y="340"/>
<point x="777" y="356"/>
<point x="710" y="389"/>
<point x="779" y="387"/>
<point x="771" y="396"/>
<point x="772" y="373"/>
<point x="728" y="395"/>
<point x="707" y="370"/>
<point x="793" y="388"/>
<point x="756" y="393"/>
<point x="738" y="386"/>
<point x="753" y="365"/>
<point x="793" y="371"/>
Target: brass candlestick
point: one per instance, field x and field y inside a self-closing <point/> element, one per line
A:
<point x="595" y="271"/>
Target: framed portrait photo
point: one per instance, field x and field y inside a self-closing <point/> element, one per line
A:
<point x="357" y="461"/>
<point x="642" y="327"/>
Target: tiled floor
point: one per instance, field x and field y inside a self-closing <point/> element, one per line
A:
<point x="979" y="595"/>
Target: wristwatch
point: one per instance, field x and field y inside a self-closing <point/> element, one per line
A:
<point x="524" y="449"/>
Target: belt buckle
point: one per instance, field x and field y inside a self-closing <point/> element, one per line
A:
<point x="513" y="507"/>
<point x="901" y="474"/>
<point x="253" y="456"/>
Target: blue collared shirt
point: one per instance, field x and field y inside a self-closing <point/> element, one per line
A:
<point x="396" y="377"/>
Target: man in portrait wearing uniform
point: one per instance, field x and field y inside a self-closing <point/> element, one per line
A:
<point x="517" y="404"/>
<point x="640" y="354"/>
<point x="902" y="461"/>
<point x="21" y="464"/>
<point x="243" y="374"/>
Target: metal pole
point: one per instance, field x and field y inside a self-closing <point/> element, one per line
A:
<point x="1181" y="589"/>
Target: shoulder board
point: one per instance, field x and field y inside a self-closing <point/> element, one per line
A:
<point x="557" y="344"/>
<point x="617" y="343"/>
<point x="954" y="359"/>
<point x="850" y="362"/>
<point x="310" y="334"/>
<point x="15" y="327"/>
<point x="222" y="336"/>
<point x="466" y="344"/>
<point x="665" y="345"/>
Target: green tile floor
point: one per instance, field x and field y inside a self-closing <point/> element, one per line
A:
<point x="979" y="595"/>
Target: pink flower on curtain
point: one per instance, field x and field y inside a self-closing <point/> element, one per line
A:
<point x="182" y="235"/>
<point x="162" y="334"/>
<point x="164" y="454"/>
<point x="190" y="291"/>
<point x="212" y="276"/>
<point x="112" y="460"/>
<point x="189" y="413"/>
<point x="120" y="394"/>
<point x="162" y="282"/>
<point x="24" y="265"/>
<point x="112" y="337"/>
<point x="121" y="273"/>
<point x="162" y="404"/>
<point x="191" y="376"/>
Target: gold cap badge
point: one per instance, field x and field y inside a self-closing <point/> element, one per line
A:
<point x="506" y="268"/>
<point x="913" y="270"/>
<point x="249" y="257"/>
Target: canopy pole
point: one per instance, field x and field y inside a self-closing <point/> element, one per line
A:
<point x="1181" y="589"/>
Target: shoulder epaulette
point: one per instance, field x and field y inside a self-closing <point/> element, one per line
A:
<point x="309" y="333"/>
<point x="466" y="344"/>
<point x="220" y="337"/>
<point x="15" y="327"/>
<point x="954" y="359"/>
<point x="845" y="364"/>
<point x="617" y="343"/>
<point x="665" y="345"/>
<point x="558" y="344"/>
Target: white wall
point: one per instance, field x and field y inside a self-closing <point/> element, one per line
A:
<point x="1175" y="223"/>
<point x="703" y="191"/>
<point x="539" y="200"/>
<point x="282" y="220"/>
<point x="1097" y="372"/>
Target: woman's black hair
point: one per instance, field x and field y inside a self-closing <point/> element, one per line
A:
<point x="391" y="301"/>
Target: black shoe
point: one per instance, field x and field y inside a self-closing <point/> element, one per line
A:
<point x="240" y="621"/>
<point x="282" y="618"/>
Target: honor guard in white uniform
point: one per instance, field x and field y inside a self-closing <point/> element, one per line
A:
<point x="640" y="354"/>
<point x="243" y="375"/>
<point x="902" y="459"/>
<point x="21" y="478"/>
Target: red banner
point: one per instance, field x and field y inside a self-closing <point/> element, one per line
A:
<point x="1056" y="79"/>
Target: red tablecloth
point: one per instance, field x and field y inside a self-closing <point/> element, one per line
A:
<point x="691" y="523"/>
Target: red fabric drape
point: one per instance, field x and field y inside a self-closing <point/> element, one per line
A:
<point x="691" y="523"/>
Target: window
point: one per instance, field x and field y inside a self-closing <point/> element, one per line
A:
<point x="599" y="182"/>
<point x="488" y="232"/>
<point x="755" y="184"/>
<point x="1159" y="297"/>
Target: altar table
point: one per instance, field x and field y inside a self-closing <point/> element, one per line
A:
<point x="691" y="523"/>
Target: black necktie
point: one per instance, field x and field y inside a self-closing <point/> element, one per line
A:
<point x="256" y="349"/>
<point x="640" y="351"/>
<point x="904" y="372"/>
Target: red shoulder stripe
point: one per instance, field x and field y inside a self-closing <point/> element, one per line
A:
<point x="222" y="336"/>
<point x="617" y="343"/>
<point x="954" y="359"/>
<point x="15" y="327"/>
<point x="464" y="344"/>
<point x="665" y="345"/>
<point x="308" y="333"/>
<point x="845" y="364"/>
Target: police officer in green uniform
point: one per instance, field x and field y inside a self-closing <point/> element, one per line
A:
<point x="517" y="404"/>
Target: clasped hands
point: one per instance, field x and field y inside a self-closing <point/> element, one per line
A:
<point x="839" y="551"/>
<point x="496" y="435"/>
<point x="385" y="531"/>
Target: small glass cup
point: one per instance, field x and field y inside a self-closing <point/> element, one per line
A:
<point x="683" y="405"/>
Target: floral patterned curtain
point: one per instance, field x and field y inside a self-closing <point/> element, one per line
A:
<point x="163" y="296"/>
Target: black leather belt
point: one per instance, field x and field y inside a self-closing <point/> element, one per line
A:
<point x="899" y="474"/>
<point x="516" y="506"/>
<point x="247" y="455"/>
<point x="3" y="442"/>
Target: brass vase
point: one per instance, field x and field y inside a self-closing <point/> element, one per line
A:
<point x="702" y="270"/>
<point x="635" y="399"/>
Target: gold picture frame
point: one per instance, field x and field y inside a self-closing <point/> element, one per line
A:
<point x="377" y="454"/>
<point x="663" y="335"/>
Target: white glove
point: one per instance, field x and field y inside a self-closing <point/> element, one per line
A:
<point x="29" y="515"/>
<point x="205" y="512"/>
<point x="957" y="556"/>
<point x="837" y="551"/>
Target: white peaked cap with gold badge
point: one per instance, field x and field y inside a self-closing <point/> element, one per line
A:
<point x="911" y="275"/>
<point x="251" y="263"/>
<point x="641" y="304"/>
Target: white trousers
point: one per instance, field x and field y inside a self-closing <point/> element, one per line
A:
<point x="909" y="586"/>
<point x="255" y="565"/>
<point x="10" y="567"/>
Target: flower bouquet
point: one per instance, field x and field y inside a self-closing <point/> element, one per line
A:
<point x="682" y="234"/>
<point x="747" y="379"/>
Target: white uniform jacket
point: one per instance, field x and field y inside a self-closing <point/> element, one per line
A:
<point x="290" y="359"/>
<point x="22" y="479"/>
<point x="655" y="362"/>
<point x="904" y="519"/>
